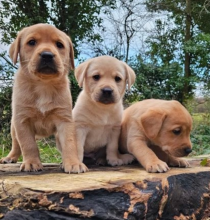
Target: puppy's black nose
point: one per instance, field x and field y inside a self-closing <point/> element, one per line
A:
<point x="47" y="55"/>
<point x="107" y="91"/>
<point x="47" y="64"/>
<point x="187" y="150"/>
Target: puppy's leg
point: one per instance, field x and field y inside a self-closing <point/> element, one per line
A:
<point x="81" y="134"/>
<point x="169" y="159"/>
<point x="177" y="162"/>
<point x="112" y="148"/>
<point x="114" y="158"/>
<point x="15" y="152"/>
<point x="66" y="138"/>
<point x="126" y="158"/>
<point x="26" y="138"/>
<point x="146" y="156"/>
<point x="101" y="156"/>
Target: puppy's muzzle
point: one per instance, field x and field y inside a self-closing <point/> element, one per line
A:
<point x="183" y="152"/>
<point x="47" y="63"/>
<point x="106" y="96"/>
<point x="187" y="150"/>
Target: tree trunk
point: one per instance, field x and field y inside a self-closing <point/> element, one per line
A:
<point x="188" y="24"/>
<point x="112" y="193"/>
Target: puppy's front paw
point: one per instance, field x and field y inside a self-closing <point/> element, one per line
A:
<point x="8" y="160"/>
<point x="178" y="162"/>
<point x="158" y="167"/>
<point x="74" y="168"/>
<point x="126" y="158"/>
<point x="114" y="161"/>
<point x="31" y="166"/>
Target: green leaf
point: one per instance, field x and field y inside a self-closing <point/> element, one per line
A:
<point x="204" y="162"/>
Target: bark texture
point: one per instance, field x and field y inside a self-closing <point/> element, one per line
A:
<point x="117" y="193"/>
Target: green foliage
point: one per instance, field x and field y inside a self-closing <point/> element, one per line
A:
<point x="20" y="14"/>
<point x="158" y="80"/>
<point x="5" y="113"/>
<point x="164" y="44"/>
<point x="166" y="61"/>
<point x="199" y="46"/>
<point x="4" y="151"/>
<point x="6" y="74"/>
<point x="204" y="162"/>
<point x="182" y="38"/>
<point x="177" y="11"/>
<point x="200" y="135"/>
<point x="75" y="89"/>
<point x="76" y="18"/>
<point x="47" y="149"/>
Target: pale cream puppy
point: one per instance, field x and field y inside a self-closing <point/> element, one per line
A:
<point x="98" y="109"/>
<point x="157" y="132"/>
<point x="41" y="100"/>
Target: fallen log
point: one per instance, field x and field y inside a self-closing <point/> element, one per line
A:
<point x="125" y="192"/>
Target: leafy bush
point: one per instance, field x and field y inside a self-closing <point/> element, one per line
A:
<point x="200" y="135"/>
<point x="5" y="112"/>
<point x="160" y="81"/>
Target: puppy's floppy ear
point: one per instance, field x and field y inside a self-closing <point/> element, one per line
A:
<point x="15" y="48"/>
<point x="71" y="53"/>
<point x="80" y="72"/>
<point x="130" y="75"/>
<point x="152" y="121"/>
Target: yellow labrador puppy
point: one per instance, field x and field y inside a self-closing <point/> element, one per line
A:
<point x="156" y="132"/>
<point x="98" y="110"/>
<point x="41" y="100"/>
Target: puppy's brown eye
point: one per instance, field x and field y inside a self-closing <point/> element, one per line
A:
<point x="177" y="131"/>
<point x="32" y="43"/>
<point x="117" y="79"/>
<point x="59" y="45"/>
<point x="96" y="77"/>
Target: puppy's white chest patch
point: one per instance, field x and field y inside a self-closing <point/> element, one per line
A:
<point x="98" y="137"/>
<point x="45" y="101"/>
<point x="44" y="104"/>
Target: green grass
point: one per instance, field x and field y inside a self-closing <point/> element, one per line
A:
<point x="3" y="151"/>
<point x="198" y="117"/>
<point x="200" y="135"/>
<point x="47" y="149"/>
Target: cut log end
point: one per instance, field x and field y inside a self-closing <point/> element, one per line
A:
<point x="124" y="192"/>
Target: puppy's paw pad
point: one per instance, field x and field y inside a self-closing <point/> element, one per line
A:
<point x="31" y="166"/>
<point x="159" y="167"/>
<point x="75" y="168"/>
<point x="183" y="163"/>
<point x="8" y="160"/>
<point x="126" y="158"/>
<point x="177" y="162"/>
<point x="115" y="162"/>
